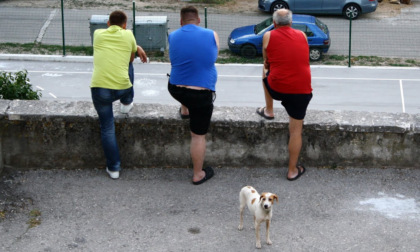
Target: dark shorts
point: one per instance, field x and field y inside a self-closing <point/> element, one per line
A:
<point x="199" y="104"/>
<point x="295" y="104"/>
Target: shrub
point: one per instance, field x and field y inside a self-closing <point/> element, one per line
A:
<point x="17" y="86"/>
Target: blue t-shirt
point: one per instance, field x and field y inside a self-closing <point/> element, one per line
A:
<point x="193" y="52"/>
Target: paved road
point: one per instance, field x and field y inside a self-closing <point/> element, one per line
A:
<point x="390" y="37"/>
<point x="158" y="209"/>
<point x="370" y="89"/>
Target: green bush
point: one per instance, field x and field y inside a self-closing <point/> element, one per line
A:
<point x="17" y="86"/>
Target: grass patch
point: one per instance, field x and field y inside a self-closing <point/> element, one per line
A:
<point x="225" y="56"/>
<point x="2" y="215"/>
<point x="210" y="1"/>
<point x="35" y="219"/>
<point x="35" y="48"/>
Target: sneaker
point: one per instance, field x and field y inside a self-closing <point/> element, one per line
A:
<point x="113" y="174"/>
<point x="126" y="108"/>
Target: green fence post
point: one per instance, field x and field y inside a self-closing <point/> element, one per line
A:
<point x="351" y="17"/>
<point x="205" y="17"/>
<point x="134" y="18"/>
<point x="62" y="27"/>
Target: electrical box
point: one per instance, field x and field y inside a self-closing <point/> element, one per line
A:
<point x="151" y="32"/>
<point x="97" y="22"/>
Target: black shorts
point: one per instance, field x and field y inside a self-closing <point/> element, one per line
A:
<point x="199" y="104"/>
<point x="295" y="104"/>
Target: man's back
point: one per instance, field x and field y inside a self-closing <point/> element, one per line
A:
<point x="112" y="52"/>
<point x="193" y="52"/>
<point x="288" y="55"/>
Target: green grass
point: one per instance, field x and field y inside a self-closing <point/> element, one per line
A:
<point x="225" y="56"/>
<point x="210" y="1"/>
<point x="35" y="218"/>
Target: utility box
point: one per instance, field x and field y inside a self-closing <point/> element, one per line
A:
<point x="151" y="32"/>
<point x="97" y="22"/>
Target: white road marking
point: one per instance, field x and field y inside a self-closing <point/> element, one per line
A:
<point x="45" y="26"/>
<point x="230" y="76"/>
<point x="402" y="96"/>
<point x="40" y="88"/>
<point x="53" y="95"/>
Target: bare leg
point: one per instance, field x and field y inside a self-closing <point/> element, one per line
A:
<point x="295" y="145"/>
<point x="268" y="100"/>
<point x="184" y="110"/>
<point x="198" y="151"/>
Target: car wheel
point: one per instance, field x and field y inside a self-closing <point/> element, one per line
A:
<point x="351" y="10"/>
<point x="277" y="5"/>
<point x="315" y="54"/>
<point x="248" y="51"/>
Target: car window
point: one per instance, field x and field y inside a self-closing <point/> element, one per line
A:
<point x="321" y="25"/>
<point x="304" y="28"/>
<point x="262" y="27"/>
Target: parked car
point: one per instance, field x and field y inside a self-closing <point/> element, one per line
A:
<point x="247" y="40"/>
<point x="347" y="8"/>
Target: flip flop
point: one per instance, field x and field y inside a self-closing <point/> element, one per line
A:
<point x="299" y="172"/>
<point x="209" y="174"/>
<point x="183" y="116"/>
<point x="261" y="112"/>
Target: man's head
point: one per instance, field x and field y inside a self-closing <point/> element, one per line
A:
<point x="282" y="17"/>
<point x="118" y="18"/>
<point x="189" y="15"/>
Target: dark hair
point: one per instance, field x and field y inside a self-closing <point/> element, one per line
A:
<point x="117" y="18"/>
<point x="189" y="13"/>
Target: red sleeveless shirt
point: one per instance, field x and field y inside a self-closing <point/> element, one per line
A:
<point x="288" y="56"/>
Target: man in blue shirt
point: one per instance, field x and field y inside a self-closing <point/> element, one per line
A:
<point x="193" y="52"/>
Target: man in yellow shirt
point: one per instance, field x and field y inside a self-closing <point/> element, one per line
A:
<point x="113" y="50"/>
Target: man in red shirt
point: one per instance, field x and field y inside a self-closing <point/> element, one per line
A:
<point x="287" y="78"/>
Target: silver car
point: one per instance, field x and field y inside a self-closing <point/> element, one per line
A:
<point x="348" y="8"/>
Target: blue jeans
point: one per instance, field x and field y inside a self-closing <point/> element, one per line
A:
<point x="102" y="100"/>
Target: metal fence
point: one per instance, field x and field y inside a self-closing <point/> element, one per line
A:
<point x="387" y="37"/>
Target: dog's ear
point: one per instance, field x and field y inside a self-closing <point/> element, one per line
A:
<point x="262" y="196"/>
<point x="276" y="198"/>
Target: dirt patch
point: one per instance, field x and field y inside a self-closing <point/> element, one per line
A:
<point x="385" y="8"/>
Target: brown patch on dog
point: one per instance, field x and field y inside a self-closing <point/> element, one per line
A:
<point x="253" y="191"/>
<point x="274" y="197"/>
<point x="253" y="200"/>
<point x="263" y="195"/>
<point x="249" y="187"/>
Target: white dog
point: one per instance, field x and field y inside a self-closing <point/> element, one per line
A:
<point x="260" y="206"/>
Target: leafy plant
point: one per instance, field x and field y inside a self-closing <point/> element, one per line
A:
<point x="17" y="86"/>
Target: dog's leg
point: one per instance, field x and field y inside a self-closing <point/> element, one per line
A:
<point x="241" y="218"/>
<point x="257" y="233"/>
<point x="267" y="232"/>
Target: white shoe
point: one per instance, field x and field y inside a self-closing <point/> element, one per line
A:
<point x="113" y="174"/>
<point x="126" y="108"/>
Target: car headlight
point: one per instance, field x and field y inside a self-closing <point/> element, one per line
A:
<point x="232" y="41"/>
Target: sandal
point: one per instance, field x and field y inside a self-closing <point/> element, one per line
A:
<point x="209" y="174"/>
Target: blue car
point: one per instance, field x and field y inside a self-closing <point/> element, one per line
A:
<point x="347" y="8"/>
<point x="247" y="40"/>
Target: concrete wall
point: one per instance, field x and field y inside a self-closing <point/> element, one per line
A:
<point x="64" y="134"/>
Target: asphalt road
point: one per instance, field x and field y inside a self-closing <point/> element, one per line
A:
<point x="372" y="89"/>
<point x="387" y="37"/>
<point x="158" y="209"/>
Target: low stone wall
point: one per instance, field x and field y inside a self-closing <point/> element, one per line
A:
<point x="65" y="134"/>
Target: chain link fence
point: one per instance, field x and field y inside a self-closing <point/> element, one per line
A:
<point x="396" y="36"/>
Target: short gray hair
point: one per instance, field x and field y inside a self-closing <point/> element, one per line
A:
<point x="282" y="20"/>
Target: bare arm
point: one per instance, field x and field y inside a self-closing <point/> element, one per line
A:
<point x="216" y="38"/>
<point x="266" y="39"/>
<point x="141" y="53"/>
